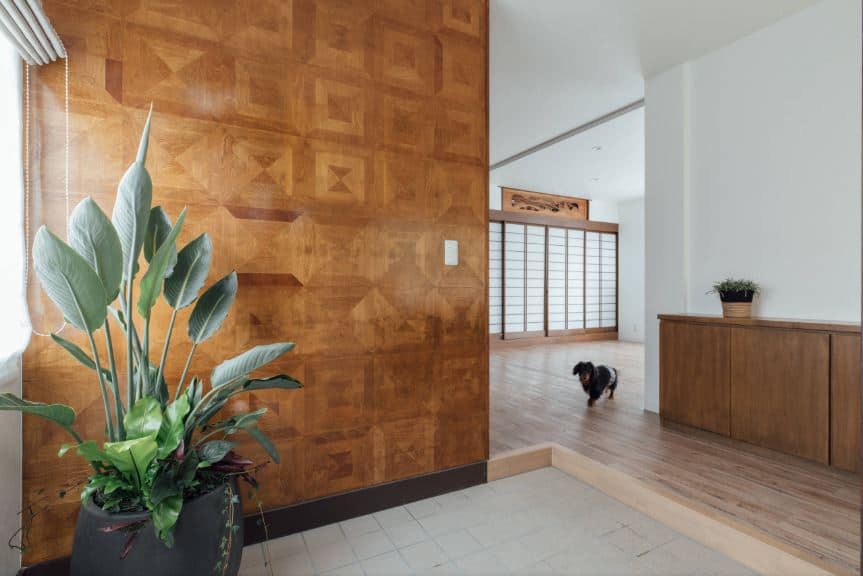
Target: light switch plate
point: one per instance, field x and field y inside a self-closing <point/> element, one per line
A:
<point x="450" y="252"/>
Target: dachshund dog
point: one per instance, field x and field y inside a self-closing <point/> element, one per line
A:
<point x="595" y="380"/>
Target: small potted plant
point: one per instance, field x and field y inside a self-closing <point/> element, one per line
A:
<point x="162" y="495"/>
<point x="736" y="296"/>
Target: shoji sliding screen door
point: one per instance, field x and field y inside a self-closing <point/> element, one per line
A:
<point x="547" y="280"/>
<point x="523" y="280"/>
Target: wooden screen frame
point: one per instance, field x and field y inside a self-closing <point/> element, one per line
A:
<point x="556" y="222"/>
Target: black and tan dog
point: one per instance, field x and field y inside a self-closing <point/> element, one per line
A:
<point x="596" y="379"/>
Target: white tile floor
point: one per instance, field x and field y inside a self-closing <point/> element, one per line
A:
<point x="541" y="522"/>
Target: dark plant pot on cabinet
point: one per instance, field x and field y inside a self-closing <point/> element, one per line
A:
<point x="208" y="539"/>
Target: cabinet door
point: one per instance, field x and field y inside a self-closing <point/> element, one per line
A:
<point x="780" y="390"/>
<point x="845" y="401"/>
<point x="693" y="374"/>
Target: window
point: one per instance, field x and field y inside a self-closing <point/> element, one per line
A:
<point x="550" y="280"/>
<point x="495" y="277"/>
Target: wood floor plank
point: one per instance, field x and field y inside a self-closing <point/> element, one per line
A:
<point x="535" y="399"/>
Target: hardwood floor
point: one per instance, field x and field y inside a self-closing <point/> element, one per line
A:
<point x="535" y="399"/>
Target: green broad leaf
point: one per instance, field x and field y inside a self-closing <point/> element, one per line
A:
<point x="118" y="317"/>
<point x="165" y="515"/>
<point x="106" y="484"/>
<point x="158" y="228"/>
<point x="90" y="452"/>
<point x="194" y="391"/>
<point x="144" y="419"/>
<point x="114" y="483"/>
<point x="132" y="206"/>
<point x="239" y="422"/>
<point x="228" y="391"/>
<point x="158" y="390"/>
<point x="212" y="308"/>
<point x="70" y="281"/>
<point x="213" y="451"/>
<point x="78" y="354"/>
<point x="247" y="362"/>
<point x="154" y="277"/>
<point x="164" y="486"/>
<point x="190" y="272"/>
<point x="264" y="442"/>
<point x="132" y="457"/>
<point x="278" y="381"/>
<point x="59" y="413"/>
<point x="93" y="236"/>
<point x="173" y="426"/>
<point x="188" y="468"/>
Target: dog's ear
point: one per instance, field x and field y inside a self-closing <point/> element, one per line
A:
<point x="588" y="366"/>
<point x="576" y="370"/>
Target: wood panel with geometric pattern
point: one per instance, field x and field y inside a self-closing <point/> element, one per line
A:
<point x="329" y="147"/>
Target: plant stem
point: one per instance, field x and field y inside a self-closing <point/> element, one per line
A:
<point x="73" y="434"/>
<point x="165" y="349"/>
<point x="144" y="368"/>
<point x="118" y="402"/>
<point x="190" y="419"/>
<point x="130" y="385"/>
<point x="185" y="370"/>
<point x="108" y="419"/>
<point x="207" y="435"/>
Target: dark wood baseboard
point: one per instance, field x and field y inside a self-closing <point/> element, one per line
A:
<point x="329" y="509"/>
<point x="323" y="511"/>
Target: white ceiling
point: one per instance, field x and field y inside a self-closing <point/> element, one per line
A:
<point x="571" y="166"/>
<point x="557" y="64"/>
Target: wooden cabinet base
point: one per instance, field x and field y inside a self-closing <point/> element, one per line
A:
<point x="791" y="386"/>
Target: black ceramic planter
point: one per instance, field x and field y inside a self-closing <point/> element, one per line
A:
<point x="198" y="540"/>
<point x="741" y="296"/>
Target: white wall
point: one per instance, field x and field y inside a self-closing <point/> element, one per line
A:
<point x="14" y="326"/>
<point x="753" y="170"/>
<point x="665" y="181"/>
<point x="631" y="270"/>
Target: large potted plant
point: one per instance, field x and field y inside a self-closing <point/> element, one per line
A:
<point x="736" y="296"/>
<point x="162" y="495"/>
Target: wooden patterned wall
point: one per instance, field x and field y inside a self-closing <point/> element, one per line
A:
<point x="329" y="147"/>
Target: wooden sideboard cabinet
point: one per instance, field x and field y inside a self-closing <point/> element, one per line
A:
<point x="792" y="386"/>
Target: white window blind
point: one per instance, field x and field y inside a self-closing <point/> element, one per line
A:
<point x="575" y="280"/>
<point x="592" y="280"/>
<point x="608" y="281"/>
<point x="535" y="285"/>
<point x="514" y="277"/>
<point x="556" y="278"/>
<point x="495" y="277"/>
